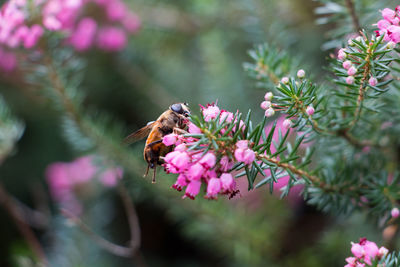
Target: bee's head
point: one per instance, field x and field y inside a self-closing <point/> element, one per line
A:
<point x="181" y="108"/>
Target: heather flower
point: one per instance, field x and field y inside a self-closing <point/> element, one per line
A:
<point x="395" y="212"/>
<point x="245" y="155"/>
<point x="196" y="171"/>
<point x="228" y="183"/>
<point x="180" y="161"/>
<point x="365" y="252"/>
<point x="310" y="110"/>
<point x="208" y="160"/>
<point x="287" y="124"/>
<point x="193" y="189"/>
<point x="83" y="36"/>
<point x="211" y="112"/>
<point x="180" y="183"/>
<point x="226" y="163"/>
<point x="111" y="176"/>
<point x="388" y="14"/>
<point x="213" y="188"/>
<point x="341" y="54"/>
<point x="193" y="129"/>
<point x="226" y="116"/>
<point x="350" y="80"/>
<point x="170" y="139"/>
<point x="111" y="39"/>
<point x="265" y="105"/>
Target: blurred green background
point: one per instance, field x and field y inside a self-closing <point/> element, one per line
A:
<point x="189" y="51"/>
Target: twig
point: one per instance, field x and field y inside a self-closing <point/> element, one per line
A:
<point x="17" y="215"/>
<point x="354" y="17"/>
<point x="122" y="251"/>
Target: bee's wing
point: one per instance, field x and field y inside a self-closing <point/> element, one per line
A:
<point x="139" y="134"/>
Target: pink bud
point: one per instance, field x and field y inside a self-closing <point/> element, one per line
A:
<point x="226" y="163"/>
<point x="193" y="189"/>
<point x="265" y="104"/>
<point x="382" y="251"/>
<point x="268" y="96"/>
<point x="111" y="39"/>
<point x="287" y="124"/>
<point x="310" y="110"/>
<point x="347" y="64"/>
<point x="211" y="112"/>
<point x="269" y="112"/>
<point x="352" y="71"/>
<point x="341" y="54"/>
<point x="350" y="80"/>
<point x="213" y="188"/>
<point x="373" y="81"/>
<point x="228" y="182"/>
<point x="301" y="74"/>
<point x="395" y="212"/>
<point x="208" y="160"/>
<point x="285" y="80"/>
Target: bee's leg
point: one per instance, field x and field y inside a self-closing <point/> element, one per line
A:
<point x="147" y="170"/>
<point x="154" y="174"/>
<point x="179" y="131"/>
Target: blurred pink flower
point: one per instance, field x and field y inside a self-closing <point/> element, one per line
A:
<point x="111" y="39"/>
<point x="111" y="176"/>
<point x="83" y="36"/>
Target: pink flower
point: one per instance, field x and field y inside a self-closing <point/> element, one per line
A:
<point x="350" y="80"/>
<point x="82" y="169"/>
<point x="170" y="139"/>
<point x="388" y="14"/>
<point x="226" y="116"/>
<point x="208" y="160"/>
<point x="193" y="129"/>
<point x="228" y="183"/>
<point x="115" y="10"/>
<point x="131" y="22"/>
<point x="242" y="144"/>
<point x="351" y="71"/>
<point x="111" y="176"/>
<point x="395" y="212"/>
<point x="373" y="81"/>
<point x="285" y="80"/>
<point x="310" y="110"/>
<point x="265" y="104"/>
<point x="181" y="160"/>
<point x="213" y="188"/>
<point x="247" y="156"/>
<point x="382" y="252"/>
<point x="52" y="23"/>
<point x="383" y="24"/>
<point x="8" y="61"/>
<point x="226" y="163"/>
<point x="347" y="64"/>
<point x="357" y="250"/>
<point x="35" y="32"/>
<point x="196" y="171"/>
<point x="371" y="251"/>
<point x="180" y="182"/>
<point x="394" y="33"/>
<point x="211" y="112"/>
<point x="193" y="189"/>
<point x="111" y="39"/>
<point x="83" y="36"/>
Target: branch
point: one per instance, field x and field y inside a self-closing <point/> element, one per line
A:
<point x="16" y="214"/>
<point x="122" y="251"/>
<point x="354" y="17"/>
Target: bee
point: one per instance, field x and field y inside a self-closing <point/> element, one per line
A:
<point x="173" y="120"/>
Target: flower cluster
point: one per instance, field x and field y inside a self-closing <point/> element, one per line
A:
<point x="365" y="253"/>
<point x="351" y="65"/>
<point x="23" y="24"/>
<point x="204" y="165"/>
<point x="389" y="25"/>
<point x="65" y="179"/>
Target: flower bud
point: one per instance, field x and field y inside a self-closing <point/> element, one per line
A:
<point x="351" y="71"/>
<point x="285" y="80"/>
<point x="341" y="54"/>
<point x="359" y="39"/>
<point x="269" y="112"/>
<point x="310" y="110"/>
<point x="350" y="80"/>
<point x="265" y="105"/>
<point x="268" y="96"/>
<point x="395" y="212"/>
<point x="287" y="124"/>
<point x="373" y="81"/>
<point x="301" y="74"/>
<point x="350" y="42"/>
<point x="347" y="64"/>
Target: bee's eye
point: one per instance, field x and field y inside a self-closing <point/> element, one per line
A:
<point x="177" y="108"/>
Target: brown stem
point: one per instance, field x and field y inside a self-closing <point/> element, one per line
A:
<point x="354" y="17"/>
<point x="122" y="251"/>
<point x="17" y="215"/>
